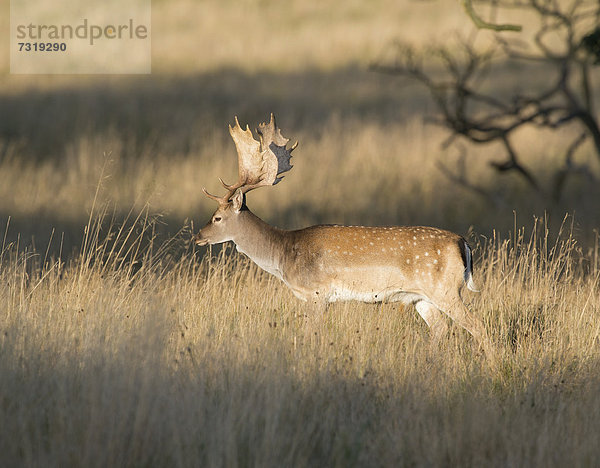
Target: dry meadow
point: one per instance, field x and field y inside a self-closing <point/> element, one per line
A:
<point x="121" y="344"/>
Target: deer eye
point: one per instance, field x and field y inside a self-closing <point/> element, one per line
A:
<point x="216" y="219"/>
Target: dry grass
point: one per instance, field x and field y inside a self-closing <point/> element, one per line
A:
<point x="120" y="347"/>
<point x="307" y="62"/>
<point x="367" y="172"/>
<point x="162" y="361"/>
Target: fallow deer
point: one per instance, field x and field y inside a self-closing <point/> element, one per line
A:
<point x="424" y="266"/>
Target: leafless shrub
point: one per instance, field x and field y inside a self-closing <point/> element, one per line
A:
<point x="566" y="43"/>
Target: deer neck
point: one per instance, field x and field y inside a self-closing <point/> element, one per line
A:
<point x="261" y="242"/>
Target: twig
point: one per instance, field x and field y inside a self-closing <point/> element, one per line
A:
<point x="481" y="24"/>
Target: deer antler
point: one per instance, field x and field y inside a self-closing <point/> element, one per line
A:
<point x="259" y="162"/>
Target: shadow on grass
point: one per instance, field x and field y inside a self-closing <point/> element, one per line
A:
<point x="172" y="115"/>
<point x="98" y="407"/>
<point x="170" y="111"/>
<point x="52" y="238"/>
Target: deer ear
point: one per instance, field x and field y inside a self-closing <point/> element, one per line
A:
<point x="237" y="200"/>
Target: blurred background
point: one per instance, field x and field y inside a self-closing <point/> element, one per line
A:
<point x="341" y="79"/>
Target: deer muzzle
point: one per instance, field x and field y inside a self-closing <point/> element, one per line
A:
<point x="198" y="239"/>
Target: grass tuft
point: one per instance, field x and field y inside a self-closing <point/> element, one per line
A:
<point x="130" y="354"/>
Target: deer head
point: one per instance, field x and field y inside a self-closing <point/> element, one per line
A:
<point x="260" y="162"/>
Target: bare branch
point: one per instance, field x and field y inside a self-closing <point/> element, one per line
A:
<point x="571" y="168"/>
<point x="513" y="164"/>
<point x="453" y="77"/>
<point x="481" y="24"/>
<point x="461" y="178"/>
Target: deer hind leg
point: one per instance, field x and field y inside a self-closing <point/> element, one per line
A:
<point x="434" y="318"/>
<point x="457" y="311"/>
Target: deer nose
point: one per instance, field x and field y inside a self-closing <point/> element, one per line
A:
<point x="199" y="240"/>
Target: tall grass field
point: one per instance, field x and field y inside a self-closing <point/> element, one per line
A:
<point x="122" y="344"/>
<point x="127" y="356"/>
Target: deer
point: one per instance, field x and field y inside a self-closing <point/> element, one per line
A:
<point x="419" y="265"/>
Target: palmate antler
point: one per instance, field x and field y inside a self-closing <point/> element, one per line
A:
<point x="259" y="162"/>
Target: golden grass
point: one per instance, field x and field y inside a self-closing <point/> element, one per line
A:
<point x="166" y="135"/>
<point x="144" y="358"/>
<point x="350" y="172"/>
<point x="190" y="36"/>
<point x="118" y="347"/>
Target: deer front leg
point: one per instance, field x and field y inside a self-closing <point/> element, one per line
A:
<point x="313" y="321"/>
